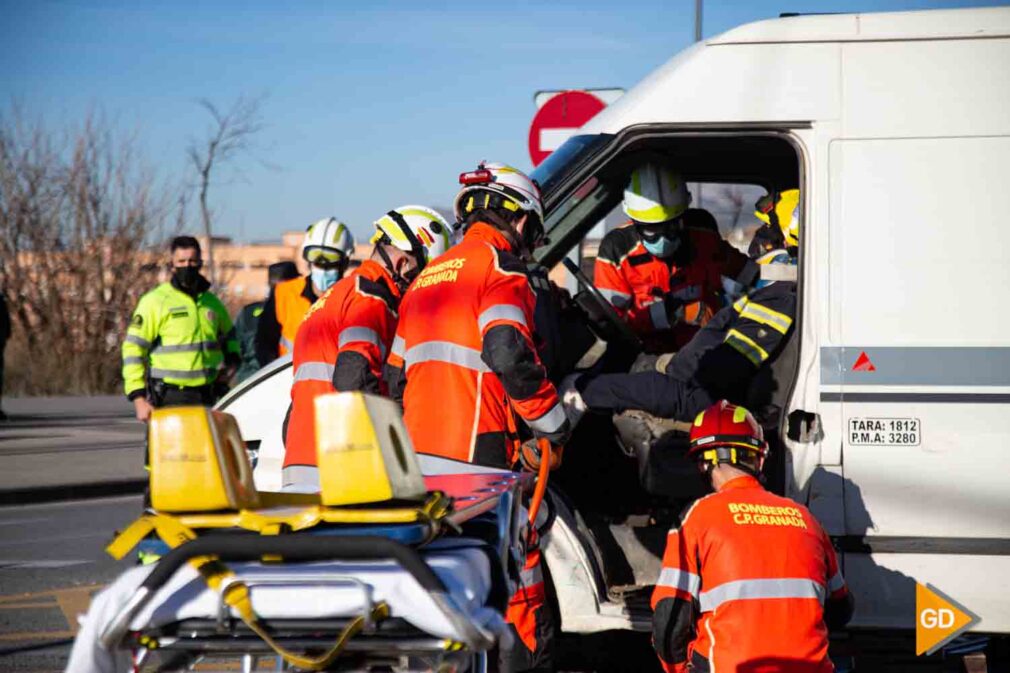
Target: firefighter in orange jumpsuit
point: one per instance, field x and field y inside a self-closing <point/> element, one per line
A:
<point x="327" y="248"/>
<point x="750" y="581"/>
<point x="345" y="337"/>
<point x="666" y="272"/>
<point x="465" y="365"/>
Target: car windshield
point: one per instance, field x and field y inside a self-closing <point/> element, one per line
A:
<point x="566" y="159"/>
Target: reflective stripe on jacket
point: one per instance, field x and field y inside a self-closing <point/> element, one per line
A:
<point x="757" y="568"/>
<point x="636" y="282"/>
<point x="290" y="306"/>
<point x="465" y="346"/>
<point x="353" y="322"/>
<point x="176" y="338"/>
<point x="738" y="341"/>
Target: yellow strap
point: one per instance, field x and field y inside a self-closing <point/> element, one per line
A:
<point x="129" y="538"/>
<point x="301" y="516"/>
<point x="238" y="597"/>
<point x="236" y="594"/>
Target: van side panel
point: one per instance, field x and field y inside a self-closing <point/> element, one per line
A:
<point x="920" y="360"/>
<point x="923" y="225"/>
<point x="926" y="88"/>
<point x="922" y="268"/>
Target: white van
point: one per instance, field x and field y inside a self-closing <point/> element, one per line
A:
<point x="896" y="128"/>
<point x="892" y="402"/>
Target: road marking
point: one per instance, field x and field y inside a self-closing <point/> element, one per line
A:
<point x="55" y="538"/>
<point x="18" y="522"/>
<point x="71" y="601"/>
<point x="7" y="564"/>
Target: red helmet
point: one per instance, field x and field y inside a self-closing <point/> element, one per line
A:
<point x="722" y="431"/>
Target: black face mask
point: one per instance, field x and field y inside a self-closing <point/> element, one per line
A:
<point x="186" y="277"/>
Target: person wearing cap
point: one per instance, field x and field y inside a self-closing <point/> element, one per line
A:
<point x="664" y="272"/>
<point x="248" y="320"/>
<point x="343" y="342"/>
<point x="327" y="247"/>
<point x="749" y="581"/>
<point x="724" y="356"/>
<point x="465" y="365"/>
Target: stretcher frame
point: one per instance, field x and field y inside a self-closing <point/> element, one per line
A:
<point x="488" y="499"/>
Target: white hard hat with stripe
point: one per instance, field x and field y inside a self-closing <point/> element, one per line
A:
<point x="327" y="240"/>
<point x="491" y="179"/>
<point x="655" y="194"/>
<point x="412" y="228"/>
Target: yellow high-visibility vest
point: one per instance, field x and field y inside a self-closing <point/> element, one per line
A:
<point x="176" y="338"/>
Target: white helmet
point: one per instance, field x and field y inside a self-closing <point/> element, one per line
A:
<point x="328" y="240"/>
<point x="655" y="195"/>
<point x="495" y="185"/>
<point x="414" y="229"/>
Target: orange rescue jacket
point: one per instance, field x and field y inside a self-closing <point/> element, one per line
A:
<point x="636" y="282"/>
<point x="290" y="305"/>
<point x="464" y="356"/>
<point x="341" y="345"/>
<point x="758" y="569"/>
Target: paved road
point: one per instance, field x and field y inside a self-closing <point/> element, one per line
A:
<point x="51" y="561"/>
<point x="58" y="441"/>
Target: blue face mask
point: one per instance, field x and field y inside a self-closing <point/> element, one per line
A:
<point x="662" y="246"/>
<point x="324" y="279"/>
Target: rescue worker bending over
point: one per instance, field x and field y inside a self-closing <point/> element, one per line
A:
<point x="663" y="275"/>
<point x="464" y="361"/>
<point x="345" y="337"/>
<point x="327" y="247"/>
<point x="179" y="337"/>
<point x="464" y="358"/>
<point x="750" y="580"/>
<point x="249" y="318"/>
<point x="724" y="356"/>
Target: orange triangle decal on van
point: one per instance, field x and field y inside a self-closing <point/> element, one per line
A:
<point x="863" y="364"/>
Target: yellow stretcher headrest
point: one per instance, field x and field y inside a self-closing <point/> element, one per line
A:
<point x="198" y="462"/>
<point x="363" y="451"/>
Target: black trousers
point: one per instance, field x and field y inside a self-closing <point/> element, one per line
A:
<point x="167" y="395"/>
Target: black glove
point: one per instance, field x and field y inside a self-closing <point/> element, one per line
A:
<point x="674" y="308"/>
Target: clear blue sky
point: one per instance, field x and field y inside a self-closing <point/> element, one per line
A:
<point x="371" y="104"/>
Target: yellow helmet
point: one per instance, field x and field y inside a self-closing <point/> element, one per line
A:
<point x="655" y="194"/>
<point x="414" y="229"/>
<point x="784" y="208"/>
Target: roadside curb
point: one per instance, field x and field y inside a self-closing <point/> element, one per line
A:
<point x="45" y="494"/>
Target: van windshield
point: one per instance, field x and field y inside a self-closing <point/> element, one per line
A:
<point x="566" y="159"/>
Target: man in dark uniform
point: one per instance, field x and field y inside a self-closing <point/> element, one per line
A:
<point x="248" y="320"/>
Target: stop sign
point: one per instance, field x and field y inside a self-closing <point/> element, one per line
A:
<point x="557" y="120"/>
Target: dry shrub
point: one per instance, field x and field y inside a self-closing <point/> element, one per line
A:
<point x="78" y="209"/>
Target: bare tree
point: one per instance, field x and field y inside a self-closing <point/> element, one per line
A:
<point x="228" y="137"/>
<point x="78" y="210"/>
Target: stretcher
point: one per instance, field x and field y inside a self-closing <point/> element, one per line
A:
<point x="414" y="574"/>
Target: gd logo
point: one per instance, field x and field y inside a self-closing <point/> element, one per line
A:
<point x="938" y="619"/>
<point x="931" y="618"/>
